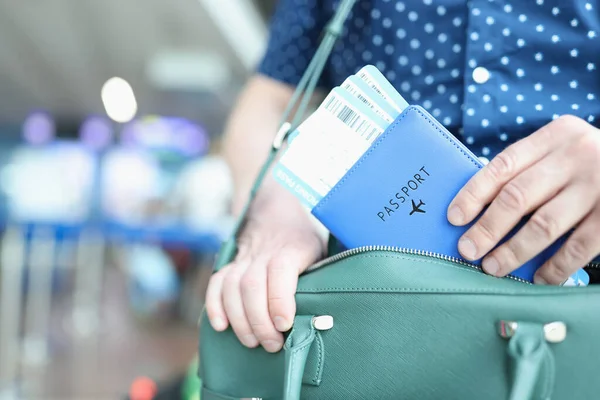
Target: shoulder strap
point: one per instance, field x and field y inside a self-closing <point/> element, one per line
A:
<point x="301" y="97"/>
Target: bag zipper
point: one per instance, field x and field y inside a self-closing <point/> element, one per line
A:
<point x="402" y="250"/>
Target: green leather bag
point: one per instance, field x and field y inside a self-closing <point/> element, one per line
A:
<point x="409" y="326"/>
<point x="391" y="323"/>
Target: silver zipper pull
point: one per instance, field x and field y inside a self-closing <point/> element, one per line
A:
<point x="323" y="322"/>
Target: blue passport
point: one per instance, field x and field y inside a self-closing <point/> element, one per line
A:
<point x="398" y="192"/>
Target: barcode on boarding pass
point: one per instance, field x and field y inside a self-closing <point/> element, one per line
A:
<point x="354" y="120"/>
<point x="356" y="92"/>
<point x="353" y="90"/>
<point x="371" y="82"/>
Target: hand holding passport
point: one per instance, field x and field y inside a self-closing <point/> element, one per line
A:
<point x="379" y="172"/>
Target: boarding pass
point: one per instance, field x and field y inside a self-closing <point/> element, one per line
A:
<point x="330" y="141"/>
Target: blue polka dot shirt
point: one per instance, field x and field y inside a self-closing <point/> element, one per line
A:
<point x="492" y="71"/>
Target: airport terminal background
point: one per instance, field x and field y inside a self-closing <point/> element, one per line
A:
<point x="113" y="199"/>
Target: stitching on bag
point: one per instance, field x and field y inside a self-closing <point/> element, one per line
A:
<point x="563" y="291"/>
<point x="379" y="141"/>
<point x="291" y="374"/>
<point x="307" y="335"/>
<point x="293" y="359"/>
<point x="549" y="376"/>
<point x="407" y="289"/>
<point x="302" y="348"/>
<point x="436" y="290"/>
<point x="436" y="262"/>
<point x="290" y="338"/>
<point x="295" y="353"/>
<point x="319" y="357"/>
<point x="464" y="269"/>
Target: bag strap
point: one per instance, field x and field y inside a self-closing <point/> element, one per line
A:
<point x="301" y="97"/>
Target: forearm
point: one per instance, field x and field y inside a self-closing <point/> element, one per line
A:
<point x="249" y="136"/>
<point x="250" y="131"/>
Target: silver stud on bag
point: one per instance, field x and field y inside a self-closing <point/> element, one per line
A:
<point x="507" y="328"/>
<point x="554" y="332"/>
<point x="323" y="322"/>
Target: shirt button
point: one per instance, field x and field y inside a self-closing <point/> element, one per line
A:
<point x="481" y="75"/>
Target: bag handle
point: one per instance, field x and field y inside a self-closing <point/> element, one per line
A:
<point x="301" y="97"/>
<point x="532" y="360"/>
<point x="297" y="347"/>
<point x="533" y="369"/>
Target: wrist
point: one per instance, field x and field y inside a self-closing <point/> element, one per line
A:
<point x="276" y="201"/>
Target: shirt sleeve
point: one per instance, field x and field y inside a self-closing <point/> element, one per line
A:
<point x="294" y="35"/>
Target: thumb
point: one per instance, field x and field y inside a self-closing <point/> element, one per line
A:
<point x="282" y="280"/>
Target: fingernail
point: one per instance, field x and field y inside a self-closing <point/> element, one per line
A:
<point x="281" y="324"/>
<point x="467" y="248"/>
<point x="455" y="215"/>
<point x="250" y="341"/>
<point x="271" y="346"/>
<point x="538" y="280"/>
<point x="490" y="265"/>
<point x="218" y="324"/>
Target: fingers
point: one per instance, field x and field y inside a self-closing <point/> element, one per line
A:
<point x="254" y="297"/>
<point x="282" y="283"/>
<point x="283" y="278"/>
<point x="214" y="305"/>
<point x="519" y="180"/>
<point x="487" y="183"/>
<point x="545" y="226"/>
<point x="234" y="307"/>
<point x="582" y="247"/>
<point x="527" y="191"/>
<point x="255" y="294"/>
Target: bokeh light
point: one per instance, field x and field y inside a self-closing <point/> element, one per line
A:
<point x="39" y="128"/>
<point x="96" y="132"/>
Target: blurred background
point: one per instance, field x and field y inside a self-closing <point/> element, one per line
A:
<point x="113" y="199"/>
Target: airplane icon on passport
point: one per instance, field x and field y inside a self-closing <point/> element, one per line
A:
<point x="417" y="208"/>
